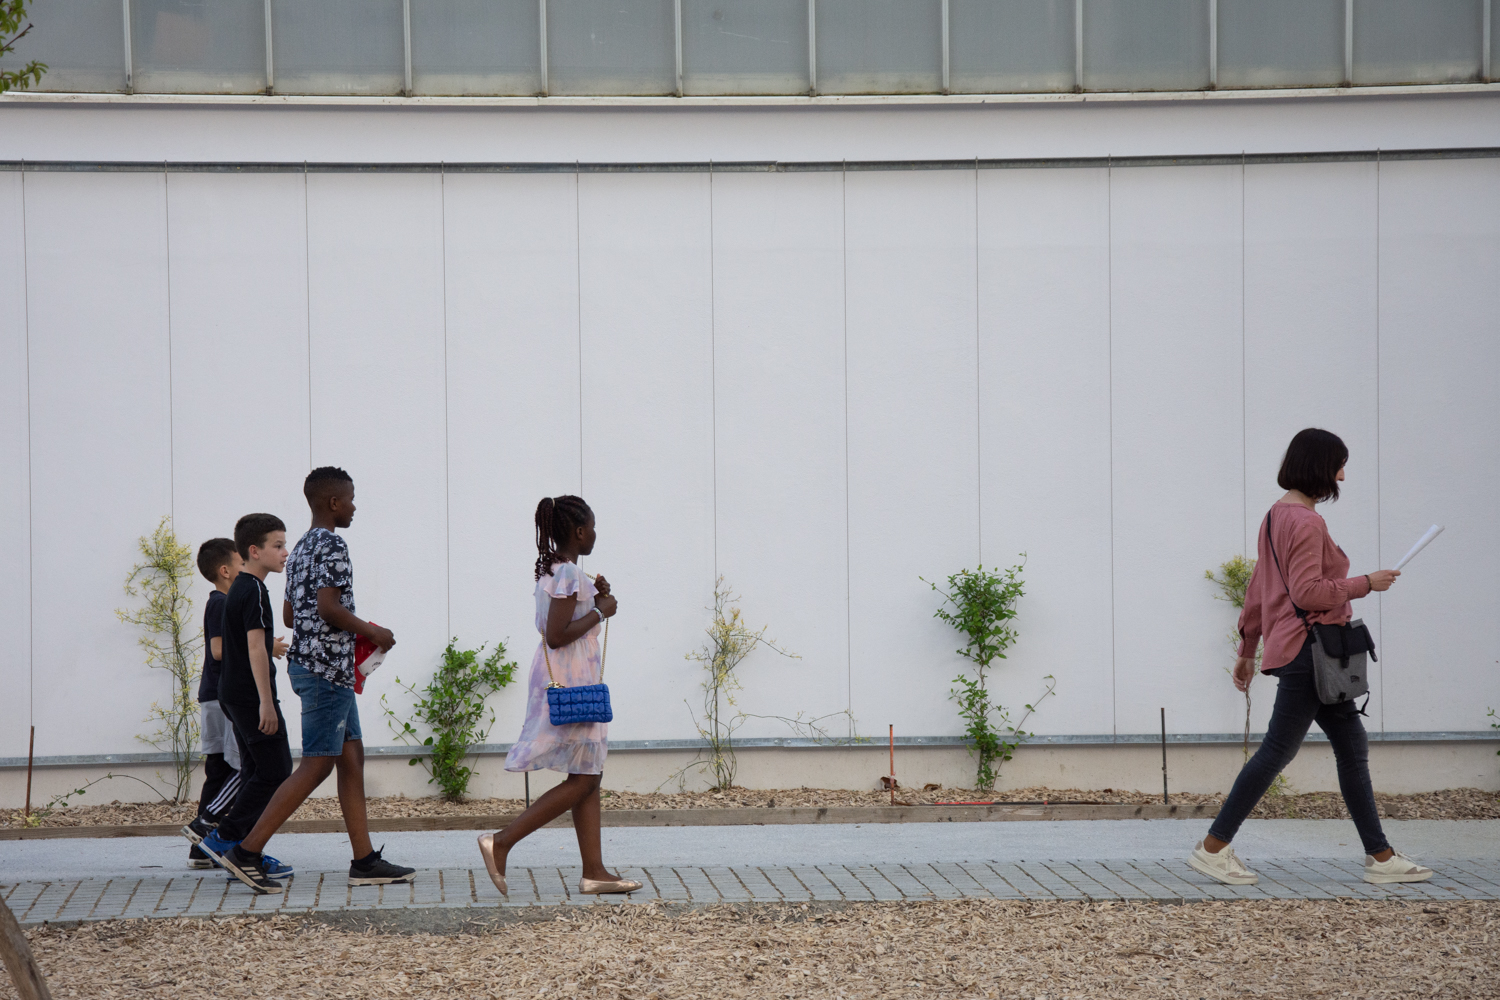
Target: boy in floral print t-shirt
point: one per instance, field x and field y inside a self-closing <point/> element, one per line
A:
<point x="319" y="608"/>
<point x="320" y="561"/>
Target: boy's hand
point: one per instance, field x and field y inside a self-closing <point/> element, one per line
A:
<point x="601" y="586"/>
<point x="268" y="723"/>
<point x="381" y="637"/>
<point x="606" y="605"/>
<point x="278" y="648"/>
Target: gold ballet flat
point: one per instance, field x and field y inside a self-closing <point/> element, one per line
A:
<point x="487" y="851"/>
<point x="588" y="886"/>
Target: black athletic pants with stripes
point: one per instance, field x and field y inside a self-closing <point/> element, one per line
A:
<point x="220" y="784"/>
<point x="265" y="762"/>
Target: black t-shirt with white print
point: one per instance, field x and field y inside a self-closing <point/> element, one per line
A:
<point x="247" y="607"/>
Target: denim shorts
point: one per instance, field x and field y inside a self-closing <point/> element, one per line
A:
<point x="330" y="717"/>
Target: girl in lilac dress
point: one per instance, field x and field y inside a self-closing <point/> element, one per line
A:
<point x="570" y="611"/>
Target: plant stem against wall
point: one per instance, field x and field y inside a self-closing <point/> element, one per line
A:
<point x="730" y="640"/>
<point x="452" y="709"/>
<point x="1233" y="579"/>
<point x="981" y="604"/>
<point x="172" y="643"/>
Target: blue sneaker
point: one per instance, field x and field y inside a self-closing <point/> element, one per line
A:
<point x="274" y="868"/>
<point x="216" y="847"/>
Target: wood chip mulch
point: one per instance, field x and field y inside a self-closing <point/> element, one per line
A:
<point x="1453" y="803"/>
<point x="969" y="948"/>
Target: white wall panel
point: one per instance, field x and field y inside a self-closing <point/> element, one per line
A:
<point x="512" y="401"/>
<point x="1178" y="441"/>
<point x="648" y="455"/>
<point x="913" y="439"/>
<point x="779" y="415"/>
<point x="15" y="481"/>
<point x="239" y="362"/>
<point x="1439" y="412"/>
<point x="101" y="447"/>
<point x="1044" y="432"/>
<point x="1310" y="357"/>
<point x="375" y="254"/>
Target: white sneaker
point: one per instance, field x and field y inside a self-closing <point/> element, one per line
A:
<point x="1398" y="868"/>
<point x="1223" y="867"/>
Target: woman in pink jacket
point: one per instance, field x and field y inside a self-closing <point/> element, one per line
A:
<point x="1317" y="578"/>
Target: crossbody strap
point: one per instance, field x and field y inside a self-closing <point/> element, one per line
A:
<point x="1279" y="571"/>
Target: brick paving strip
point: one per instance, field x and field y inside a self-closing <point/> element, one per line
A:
<point x="1170" y="881"/>
<point x="762" y="816"/>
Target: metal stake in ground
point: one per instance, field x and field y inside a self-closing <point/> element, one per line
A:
<point x="1164" y="799"/>
<point x="24" y="972"/>
<point x="30" y="750"/>
<point x="893" y="763"/>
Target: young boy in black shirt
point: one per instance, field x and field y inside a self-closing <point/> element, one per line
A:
<point x="247" y="694"/>
<point x="220" y="564"/>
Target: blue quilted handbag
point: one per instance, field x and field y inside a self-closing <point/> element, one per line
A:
<point x="584" y="703"/>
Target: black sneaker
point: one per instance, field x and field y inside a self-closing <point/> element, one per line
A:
<point x="197" y="859"/>
<point x="375" y="870"/>
<point x="198" y="829"/>
<point x="249" y="869"/>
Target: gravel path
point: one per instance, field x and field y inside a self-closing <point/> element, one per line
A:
<point x="966" y="948"/>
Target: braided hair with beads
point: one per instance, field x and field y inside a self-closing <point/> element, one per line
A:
<point x="556" y="519"/>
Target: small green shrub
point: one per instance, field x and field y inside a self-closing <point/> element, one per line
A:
<point x="981" y="604"/>
<point x="452" y="707"/>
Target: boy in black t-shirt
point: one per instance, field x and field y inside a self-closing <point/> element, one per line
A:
<point x="247" y="695"/>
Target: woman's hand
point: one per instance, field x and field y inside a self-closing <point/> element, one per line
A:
<point x="601" y="586"/>
<point x="1382" y="579"/>
<point x="1244" y="672"/>
<point x="606" y="605"/>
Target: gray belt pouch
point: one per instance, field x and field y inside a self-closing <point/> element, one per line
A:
<point x="1340" y="653"/>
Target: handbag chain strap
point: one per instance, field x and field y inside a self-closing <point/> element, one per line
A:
<point x="602" y="653"/>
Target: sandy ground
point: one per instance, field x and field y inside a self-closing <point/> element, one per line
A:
<point x="938" y="949"/>
<point x="1454" y="803"/>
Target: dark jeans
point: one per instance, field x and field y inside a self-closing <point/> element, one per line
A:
<point x="1297" y="708"/>
<point x="265" y="762"/>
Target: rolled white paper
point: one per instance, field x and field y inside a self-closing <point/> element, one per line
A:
<point x="1422" y="543"/>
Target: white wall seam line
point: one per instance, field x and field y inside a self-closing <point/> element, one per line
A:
<point x="848" y="568"/>
<point x="30" y="481"/>
<point x="447" y="487"/>
<point x="713" y="370"/>
<point x="1114" y="699"/>
<point x="307" y="303"/>
<point x="978" y="386"/>
<point x="166" y="206"/>
<point x="578" y="305"/>
<point x="1379" y="511"/>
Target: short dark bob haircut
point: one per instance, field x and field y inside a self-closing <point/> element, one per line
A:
<point x="253" y="529"/>
<point x="1312" y="464"/>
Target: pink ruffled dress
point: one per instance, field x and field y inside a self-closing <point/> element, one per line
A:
<point x="579" y="748"/>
